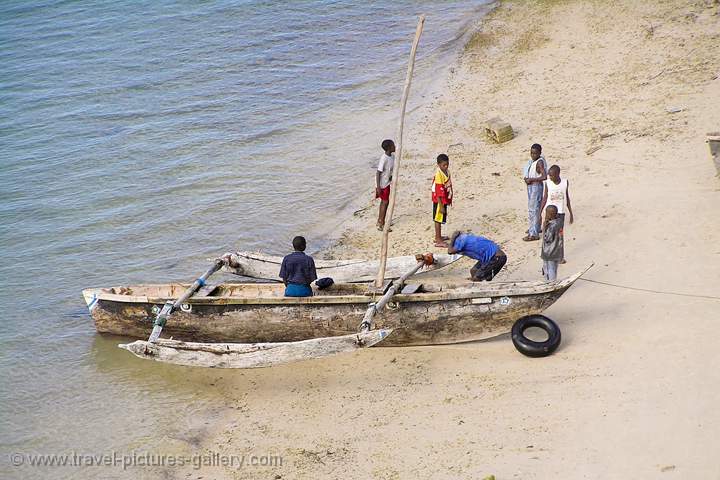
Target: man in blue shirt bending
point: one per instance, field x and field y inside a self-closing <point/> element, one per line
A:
<point x="491" y="259"/>
<point x="298" y="271"/>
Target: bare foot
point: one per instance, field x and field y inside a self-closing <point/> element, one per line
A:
<point x="441" y="244"/>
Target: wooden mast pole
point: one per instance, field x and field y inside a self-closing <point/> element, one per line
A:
<point x="396" y="167"/>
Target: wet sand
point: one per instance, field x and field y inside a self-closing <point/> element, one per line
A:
<point x="620" y="96"/>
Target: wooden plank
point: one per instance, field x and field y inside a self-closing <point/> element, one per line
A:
<point x="481" y="300"/>
<point x="411" y="288"/>
<point x="206" y="290"/>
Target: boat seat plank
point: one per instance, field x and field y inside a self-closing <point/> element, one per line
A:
<point x="411" y="288"/>
<point x="207" y="290"/>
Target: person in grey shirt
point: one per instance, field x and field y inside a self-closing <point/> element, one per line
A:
<point x="552" y="246"/>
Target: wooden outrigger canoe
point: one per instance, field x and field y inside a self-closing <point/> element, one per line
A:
<point x="267" y="267"/>
<point x="259" y="313"/>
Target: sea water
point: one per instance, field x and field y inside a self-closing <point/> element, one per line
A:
<point x="138" y="140"/>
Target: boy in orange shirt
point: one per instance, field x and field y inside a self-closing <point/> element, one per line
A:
<point x="442" y="194"/>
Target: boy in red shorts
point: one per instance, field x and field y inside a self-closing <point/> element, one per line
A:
<point x="383" y="178"/>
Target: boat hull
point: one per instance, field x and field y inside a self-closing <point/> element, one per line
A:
<point x="451" y="315"/>
<point x="267" y="267"/>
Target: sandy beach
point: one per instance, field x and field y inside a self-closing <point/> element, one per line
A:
<point x="620" y="95"/>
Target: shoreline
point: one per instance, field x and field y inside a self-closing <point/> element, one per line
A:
<point x="462" y="139"/>
<point x="626" y="395"/>
<point x="420" y="100"/>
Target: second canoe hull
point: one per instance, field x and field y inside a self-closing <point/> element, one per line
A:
<point x="267" y="267"/>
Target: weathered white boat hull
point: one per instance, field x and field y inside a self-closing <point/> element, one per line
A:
<point x="258" y="313"/>
<point x="267" y="267"/>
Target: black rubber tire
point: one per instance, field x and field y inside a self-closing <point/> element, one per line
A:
<point x="529" y="347"/>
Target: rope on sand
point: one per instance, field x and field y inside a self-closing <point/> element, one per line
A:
<point x="650" y="291"/>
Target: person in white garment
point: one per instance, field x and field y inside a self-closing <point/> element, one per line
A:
<point x="556" y="191"/>
<point x="383" y="179"/>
